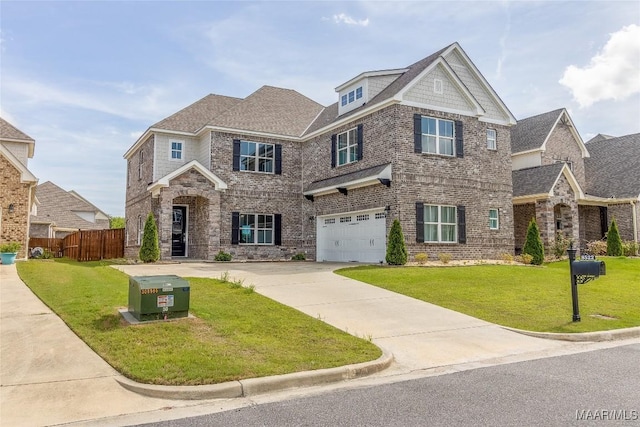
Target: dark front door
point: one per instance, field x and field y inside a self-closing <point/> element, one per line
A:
<point x="179" y="231"/>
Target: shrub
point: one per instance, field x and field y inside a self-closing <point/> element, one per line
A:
<point x="299" y="257"/>
<point x="396" y="249"/>
<point x="11" y="247"/>
<point x="630" y="248"/>
<point x="444" y="258"/>
<point x="614" y="243"/>
<point x="525" y="259"/>
<point x="533" y="244"/>
<point x="421" y="258"/>
<point x="597" y="247"/>
<point x="149" y="251"/>
<point x="560" y="245"/>
<point x="222" y="256"/>
<point x="506" y="257"/>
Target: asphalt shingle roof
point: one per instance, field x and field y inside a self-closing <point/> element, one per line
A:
<point x="613" y="170"/>
<point x="538" y="180"/>
<point x="57" y="206"/>
<point x="198" y="114"/>
<point x="346" y="178"/>
<point x="530" y="133"/>
<point x="8" y="131"/>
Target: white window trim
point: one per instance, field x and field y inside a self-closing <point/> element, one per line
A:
<point x="181" y="151"/>
<point x="351" y="146"/>
<point x="439" y="223"/>
<point x="256" y="229"/>
<point x="496" y="219"/>
<point x="437" y="135"/>
<point x="257" y="157"/>
<point x="492" y="142"/>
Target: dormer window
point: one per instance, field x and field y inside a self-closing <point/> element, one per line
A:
<point x="344" y="100"/>
<point x="359" y="93"/>
<point x="351" y="96"/>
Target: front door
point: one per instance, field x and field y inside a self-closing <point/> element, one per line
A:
<point x="179" y="231"/>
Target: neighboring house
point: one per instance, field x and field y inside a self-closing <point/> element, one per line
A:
<point x="17" y="188"/>
<point x="570" y="187"/>
<point x="275" y="174"/>
<point x="59" y="212"/>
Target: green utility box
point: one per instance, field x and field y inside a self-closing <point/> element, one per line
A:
<point x="158" y="297"/>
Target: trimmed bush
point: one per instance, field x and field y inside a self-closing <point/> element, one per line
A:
<point x="630" y="248"/>
<point x="597" y="247"/>
<point x="150" y="251"/>
<point x="444" y="258"/>
<point x="560" y="245"/>
<point x="299" y="257"/>
<point x="533" y="244"/>
<point x="421" y="258"/>
<point x="614" y="242"/>
<point x="222" y="256"/>
<point x="396" y="249"/>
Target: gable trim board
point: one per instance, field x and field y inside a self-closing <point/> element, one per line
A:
<point x="26" y="176"/>
<point x="157" y="186"/>
<point x="564" y="171"/>
<point x="572" y="129"/>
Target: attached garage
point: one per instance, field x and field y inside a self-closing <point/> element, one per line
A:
<point x="352" y="237"/>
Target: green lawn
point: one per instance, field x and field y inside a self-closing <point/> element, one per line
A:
<point x="236" y="334"/>
<point x="524" y="297"/>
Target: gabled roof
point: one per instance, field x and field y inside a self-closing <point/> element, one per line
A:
<point x="540" y="181"/>
<point x="599" y="137"/>
<point x="613" y="170"/>
<point x="197" y="115"/>
<point x="155" y="187"/>
<point x="25" y="174"/>
<point x="10" y="133"/>
<point x="532" y="133"/>
<point x="271" y="110"/>
<point x="58" y="206"/>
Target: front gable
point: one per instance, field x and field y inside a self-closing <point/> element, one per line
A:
<point x="165" y="181"/>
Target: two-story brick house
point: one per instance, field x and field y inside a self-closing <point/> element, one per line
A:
<point x="570" y="187"/>
<point x="17" y="188"/>
<point x="276" y="173"/>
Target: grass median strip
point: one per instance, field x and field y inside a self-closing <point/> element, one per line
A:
<point x="523" y="297"/>
<point x="236" y="333"/>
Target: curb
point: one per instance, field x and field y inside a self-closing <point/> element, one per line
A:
<point x="254" y="386"/>
<point x="612" y="335"/>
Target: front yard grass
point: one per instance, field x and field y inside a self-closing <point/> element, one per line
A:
<point x="236" y="334"/>
<point x="523" y="297"/>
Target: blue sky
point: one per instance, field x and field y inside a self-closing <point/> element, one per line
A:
<point x="85" y="79"/>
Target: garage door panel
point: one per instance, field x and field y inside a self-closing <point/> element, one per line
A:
<point x="359" y="237"/>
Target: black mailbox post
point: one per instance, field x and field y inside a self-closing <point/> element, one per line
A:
<point x="582" y="272"/>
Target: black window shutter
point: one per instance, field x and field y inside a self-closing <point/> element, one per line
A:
<point x="417" y="133"/>
<point x="360" y="142"/>
<point x="236" y="155"/>
<point x="333" y="150"/>
<point x="462" y="225"/>
<point x="235" y="227"/>
<point x="278" y="159"/>
<point x="459" y="140"/>
<point x="419" y="222"/>
<point x="277" y="229"/>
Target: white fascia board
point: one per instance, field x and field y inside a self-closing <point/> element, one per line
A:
<point x="148" y="133"/>
<point x="353" y="117"/>
<point x="358" y="183"/>
<point x="573" y="182"/>
<point x="465" y="57"/>
<point x="530" y="198"/>
<point x="26" y="177"/>
<point x="248" y="132"/>
<point x="155" y="188"/>
<point x="371" y="74"/>
<point x="599" y="201"/>
<point x="435" y="108"/>
<point x="30" y="142"/>
<point x="576" y="135"/>
<point x="522" y="153"/>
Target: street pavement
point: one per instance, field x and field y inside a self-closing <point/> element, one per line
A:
<point x="49" y="376"/>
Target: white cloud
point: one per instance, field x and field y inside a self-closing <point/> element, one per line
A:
<point x="613" y="74"/>
<point x="342" y="18"/>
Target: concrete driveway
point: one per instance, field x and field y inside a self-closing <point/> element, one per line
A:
<point x="420" y="335"/>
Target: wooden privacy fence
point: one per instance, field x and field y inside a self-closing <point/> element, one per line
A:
<point x="85" y="245"/>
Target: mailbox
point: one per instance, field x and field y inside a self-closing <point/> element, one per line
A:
<point x="589" y="268"/>
<point x="158" y="297"/>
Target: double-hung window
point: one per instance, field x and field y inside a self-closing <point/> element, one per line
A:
<point x="176" y="150"/>
<point x="494" y="222"/>
<point x="437" y="136"/>
<point x="256" y="156"/>
<point x="256" y="229"/>
<point x="491" y="139"/>
<point x="347" y="147"/>
<point x="439" y="224"/>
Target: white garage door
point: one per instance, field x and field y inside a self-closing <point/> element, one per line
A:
<point x="352" y="237"/>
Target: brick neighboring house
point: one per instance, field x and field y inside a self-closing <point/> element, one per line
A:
<point x="277" y="174"/>
<point x="17" y="189"/>
<point x="570" y="187"/>
<point x="59" y="212"/>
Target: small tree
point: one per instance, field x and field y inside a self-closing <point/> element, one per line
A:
<point x="149" y="251"/>
<point x="533" y="243"/>
<point x="116" y="222"/>
<point x="614" y="243"/>
<point x="396" y="249"/>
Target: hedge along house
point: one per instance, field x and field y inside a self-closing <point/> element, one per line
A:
<point x="276" y="173"/>
<point x="570" y="187"/>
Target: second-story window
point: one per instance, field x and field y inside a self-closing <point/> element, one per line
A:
<point x="176" y="150"/>
<point x="256" y="156"/>
<point x="492" y="139"/>
<point x="437" y="136"/>
<point x="347" y="147"/>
